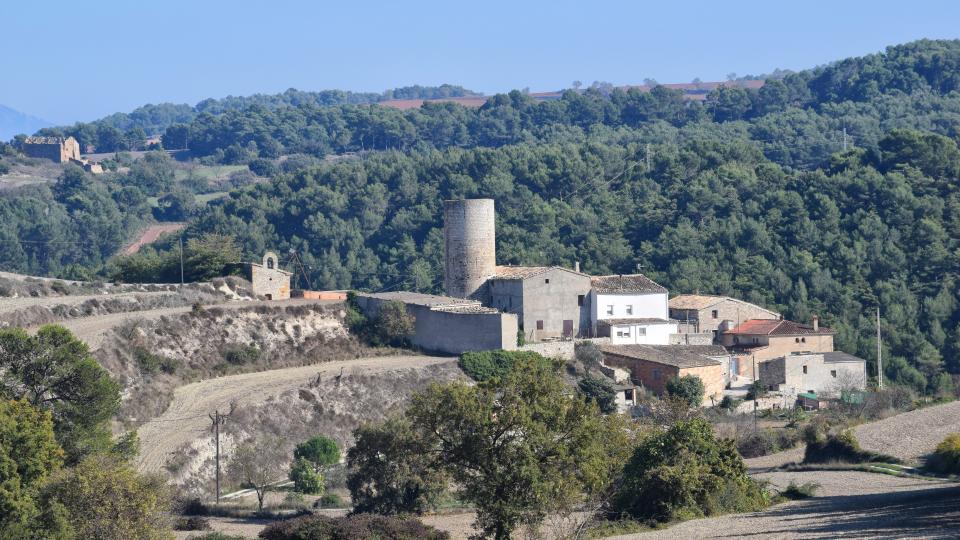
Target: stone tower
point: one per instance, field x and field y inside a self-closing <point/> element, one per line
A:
<point x="469" y="240"/>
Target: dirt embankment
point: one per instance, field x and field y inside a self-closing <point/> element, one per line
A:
<point x="910" y="436"/>
<point x="291" y="404"/>
<point x="151" y="357"/>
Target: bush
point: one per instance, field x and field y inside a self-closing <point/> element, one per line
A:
<point x="601" y="391"/>
<point x="305" y="479"/>
<point x="218" y="536"/>
<point x="841" y="447"/>
<point x="194" y="507"/>
<point x="152" y="363"/>
<point x="486" y="365"/>
<point x="767" y="441"/>
<point x="795" y="491"/>
<point x="946" y="458"/>
<point x="239" y="355"/>
<point x="689" y="388"/>
<point x="685" y="472"/>
<point x="192" y="523"/>
<point x="329" y="500"/>
<point x="318" y="527"/>
<point x="757" y="390"/>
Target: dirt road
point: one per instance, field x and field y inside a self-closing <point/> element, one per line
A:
<point x="186" y="418"/>
<point x="910" y="436"/>
<point x="12" y="304"/>
<point x="848" y="504"/>
<point x="150" y="235"/>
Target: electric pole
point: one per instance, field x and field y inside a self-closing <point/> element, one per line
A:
<point x="879" y="353"/>
<point x="844" y="138"/>
<point x="181" y="262"/>
<point x="648" y="158"/>
<point x="217" y="420"/>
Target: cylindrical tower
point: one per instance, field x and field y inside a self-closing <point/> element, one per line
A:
<point x="469" y="239"/>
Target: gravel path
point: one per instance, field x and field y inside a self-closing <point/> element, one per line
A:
<point x="911" y="435"/>
<point x="186" y="417"/>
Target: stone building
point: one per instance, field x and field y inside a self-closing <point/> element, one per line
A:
<point x="825" y="374"/>
<point x="448" y="325"/>
<point x="268" y="280"/>
<point x="651" y="366"/>
<point x="56" y="149"/>
<point x="549" y="301"/>
<point x="757" y="340"/>
<point x="630" y="309"/>
<point x="700" y="313"/>
<point x="469" y="239"/>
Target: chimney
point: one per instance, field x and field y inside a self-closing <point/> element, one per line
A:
<point x="576" y="266"/>
<point x="816" y="323"/>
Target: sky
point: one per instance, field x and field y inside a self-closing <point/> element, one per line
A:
<point x="78" y="61"/>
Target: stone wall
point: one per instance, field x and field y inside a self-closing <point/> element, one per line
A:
<point x="691" y="339"/>
<point x="552" y="298"/>
<point x="797" y="373"/>
<point x="654" y="376"/>
<point x="552" y="349"/>
<point x="713" y="382"/>
<point x="703" y="321"/>
<point x="469" y="239"/>
<point x="273" y="284"/>
<point x="775" y="347"/>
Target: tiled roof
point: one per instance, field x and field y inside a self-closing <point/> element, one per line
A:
<point x="695" y="301"/>
<point x="420" y="299"/>
<point x="634" y="321"/>
<point x="524" y="272"/>
<point x="774" y="327"/>
<point x="682" y="356"/>
<point x="629" y="283"/>
<point x="840" y="356"/>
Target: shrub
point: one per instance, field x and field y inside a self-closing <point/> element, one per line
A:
<point x="194" y="507"/>
<point x="730" y="403"/>
<point x="328" y="500"/>
<point x="601" y="391"/>
<point x="151" y="363"/>
<point x="239" y="355"/>
<point x="318" y="527"/>
<point x="767" y="441"/>
<point x="685" y="472"/>
<point x="485" y="365"/>
<point x="946" y="458"/>
<point x="795" y="491"/>
<point x="218" y="536"/>
<point x="192" y="523"/>
<point x="841" y="447"/>
<point x="756" y="390"/>
<point x="305" y="479"/>
<point x="689" y="388"/>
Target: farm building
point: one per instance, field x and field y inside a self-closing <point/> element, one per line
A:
<point x="651" y="366"/>
<point x="757" y="340"/>
<point x="700" y="313"/>
<point x="630" y="309"/>
<point x="824" y="373"/>
<point x="56" y="149"/>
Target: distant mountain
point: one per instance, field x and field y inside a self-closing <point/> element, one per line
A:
<point x="14" y="122"/>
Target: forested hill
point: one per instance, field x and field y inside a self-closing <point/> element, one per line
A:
<point x="128" y="131"/>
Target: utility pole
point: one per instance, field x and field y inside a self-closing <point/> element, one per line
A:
<point x="217" y="420"/>
<point x="844" y="138"/>
<point x="181" y="265"/>
<point x="879" y="353"/>
<point x="648" y="158"/>
<point x="756" y="389"/>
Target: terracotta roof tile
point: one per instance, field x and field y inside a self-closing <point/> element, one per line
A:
<point x="682" y="356"/>
<point x="774" y="327"/>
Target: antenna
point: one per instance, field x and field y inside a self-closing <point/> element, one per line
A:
<point x="300" y="270"/>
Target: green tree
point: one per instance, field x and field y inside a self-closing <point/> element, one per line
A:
<point x="601" y="391"/>
<point x="257" y="464"/>
<point x="320" y="451"/>
<point x="29" y="453"/>
<point x="103" y="498"/>
<point x="394" y="325"/>
<point x="305" y="479"/>
<point x="205" y="257"/>
<point x="688" y="388"/>
<point x="391" y="470"/>
<point x="54" y="371"/>
<point x="520" y="447"/>
<point x="684" y="471"/>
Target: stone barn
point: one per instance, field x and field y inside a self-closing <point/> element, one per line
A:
<point x="56" y="149"/>
<point x="268" y="280"/>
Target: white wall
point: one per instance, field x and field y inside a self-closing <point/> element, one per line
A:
<point x="656" y="334"/>
<point x="645" y="306"/>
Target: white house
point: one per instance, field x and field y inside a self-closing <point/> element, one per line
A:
<point x="630" y="309"/>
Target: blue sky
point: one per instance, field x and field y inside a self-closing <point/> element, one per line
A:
<point x="68" y="61"/>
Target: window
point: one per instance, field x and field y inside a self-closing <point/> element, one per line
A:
<point x="756" y="340"/>
<point x="797" y="340"/>
<point x="804" y="370"/>
<point x="629" y="310"/>
<point x="580" y="300"/>
<point x="803" y="340"/>
<point x="623" y="331"/>
<point x="539" y="325"/>
<point x="609" y="310"/>
<point x="656" y="374"/>
<point x="833" y="373"/>
<point x="270" y="263"/>
<point x="547" y="280"/>
<point x="714" y="314"/>
<point x="641" y="330"/>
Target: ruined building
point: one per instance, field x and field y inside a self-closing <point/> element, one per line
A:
<point x="268" y="280"/>
<point x="56" y="149"/>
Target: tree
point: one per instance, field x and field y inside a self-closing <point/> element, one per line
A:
<point x="54" y="371"/>
<point x="320" y="451"/>
<point x="177" y="205"/>
<point x="206" y="257"/>
<point x="520" y="447"/>
<point x="391" y="470"/>
<point x="589" y="355"/>
<point x="258" y="463"/>
<point x="29" y="453"/>
<point x="394" y="324"/>
<point x="601" y="391"/>
<point x="688" y="388"/>
<point x="102" y="497"/>
<point x="305" y="479"/>
<point x="685" y="471"/>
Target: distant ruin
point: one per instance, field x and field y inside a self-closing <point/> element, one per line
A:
<point x="56" y="149"/>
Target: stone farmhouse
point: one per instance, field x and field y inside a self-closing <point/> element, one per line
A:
<point x="56" y="149"/>
<point x="651" y="366"/>
<point x="701" y="313"/>
<point x="759" y="340"/>
<point x="824" y="373"/>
